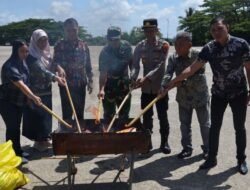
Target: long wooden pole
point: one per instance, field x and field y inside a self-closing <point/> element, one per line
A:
<point x="150" y="105"/>
<point x="73" y="108"/>
<point x="56" y="116"/>
<point x="98" y="114"/>
<point x="118" y="110"/>
<point x="143" y="111"/>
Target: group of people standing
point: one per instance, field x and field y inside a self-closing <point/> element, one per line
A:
<point x="227" y="56"/>
<point x="28" y="77"/>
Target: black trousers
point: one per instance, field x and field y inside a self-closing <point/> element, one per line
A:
<point x="12" y="116"/>
<point x="78" y="97"/>
<point x="37" y="123"/>
<point x="238" y="106"/>
<point x="161" y="107"/>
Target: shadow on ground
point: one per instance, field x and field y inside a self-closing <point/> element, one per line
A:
<point x="49" y="154"/>
<point x="102" y="186"/>
<point x="159" y="171"/>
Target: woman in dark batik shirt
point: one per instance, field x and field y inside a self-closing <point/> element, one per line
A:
<point x="37" y="124"/>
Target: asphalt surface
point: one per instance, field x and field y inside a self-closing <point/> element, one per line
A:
<point x="156" y="171"/>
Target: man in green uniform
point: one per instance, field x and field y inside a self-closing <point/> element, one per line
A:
<point x="114" y="62"/>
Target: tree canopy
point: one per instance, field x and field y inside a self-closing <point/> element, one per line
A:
<point x="236" y="12"/>
<point x="54" y="29"/>
<point x="24" y="29"/>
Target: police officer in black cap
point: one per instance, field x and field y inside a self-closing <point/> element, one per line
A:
<point x="153" y="53"/>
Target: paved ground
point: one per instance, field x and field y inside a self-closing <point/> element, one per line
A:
<point x="158" y="171"/>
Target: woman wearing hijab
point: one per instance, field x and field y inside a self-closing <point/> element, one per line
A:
<point x="37" y="123"/>
<point x="13" y="94"/>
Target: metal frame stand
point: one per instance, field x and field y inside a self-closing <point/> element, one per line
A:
<point x="131" y="172"/>
<point x="72" y="170"/>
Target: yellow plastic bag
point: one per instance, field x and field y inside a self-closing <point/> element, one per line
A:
<point x="10" y="177"/>
<point x="8" y="158"/>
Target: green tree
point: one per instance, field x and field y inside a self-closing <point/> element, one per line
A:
<point x="195" y="22"/>
<point x="24" y="29"/>
<point x="135" y="35"/>
<point x="97" y="41"/>
<point x="125" y="36"/>
<point x="184" y="21"/>
<point x="236" y="12"/>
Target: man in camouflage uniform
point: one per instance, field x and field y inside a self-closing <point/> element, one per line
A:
<point x="153" y="53"/>
<point x="114" y="61"/>
<point x="191" y="94"/>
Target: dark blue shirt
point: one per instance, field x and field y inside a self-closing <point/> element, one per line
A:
<point x="227" y="66"/>
<point x="13" y="71"/>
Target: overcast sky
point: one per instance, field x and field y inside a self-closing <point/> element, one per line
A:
<point x="97" y="15"/>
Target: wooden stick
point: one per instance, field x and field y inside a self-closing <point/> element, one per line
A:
<point x="143" y="111"/>
<point x="128" y="130"/>
<point x="118" y="110"/>
<point x="57" y="157"/>
<point x="56" y="116"/>
<point x="98" y="114"/>
<point x="73" y="108"/>
<point x="149" y="106"/>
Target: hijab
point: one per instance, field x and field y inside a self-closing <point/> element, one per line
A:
<point x="43" y="55"/>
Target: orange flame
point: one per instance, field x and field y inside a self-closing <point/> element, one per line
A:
<point x="96" y="112"/>
<point x="128" y="130"/>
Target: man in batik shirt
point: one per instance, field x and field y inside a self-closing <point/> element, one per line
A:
<point x="227" y="56"/>
<point x="72" y="54"/>
<point x="192" y="94"/>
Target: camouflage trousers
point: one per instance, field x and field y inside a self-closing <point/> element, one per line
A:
<point x="115" y="91"/>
